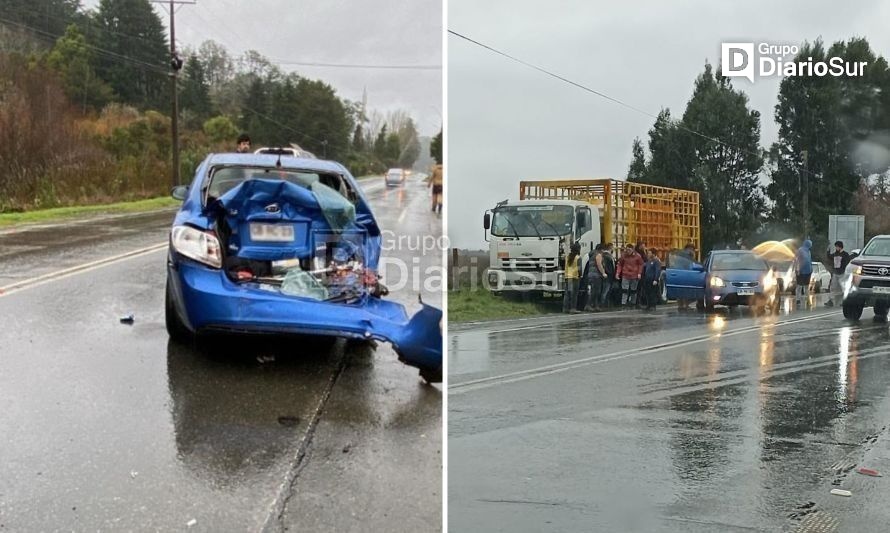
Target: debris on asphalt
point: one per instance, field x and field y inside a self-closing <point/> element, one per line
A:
<point x="191" y="522"/>
<point x="263" y="359"/>
<point x="133" y="474"/>
<point x="288" y="421"/>
<point x="868" y="472"/>
<point x="841" y="492"/>
<point x="347" y="448"/>
<point x="128" y="319"/>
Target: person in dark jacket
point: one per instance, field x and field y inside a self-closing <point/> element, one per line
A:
<point x="651" y="274"/>
<point x="837" y="262"/>
<point x="594" y="278"/>
<point x="640" y="250"/>
<point x="803" y="269"/>
<point x="609" y="277"/>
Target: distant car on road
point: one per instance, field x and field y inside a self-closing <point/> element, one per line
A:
<point x="727" y="277"/>
<point x="867" y="280"/>
<point x="395" y="177"/>
<point x="821" y="279"/>
<point x="267" y="245"/>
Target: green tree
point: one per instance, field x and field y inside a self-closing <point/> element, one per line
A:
<point x="137" y="59"/>
<point x="436" y="148"/>
<point x="380" y="144"/>
<point x="194" y="93"/>
<point x="728" y="159"/>
<point x="47" y="16"/>
<point x="71" y="58"/>
<point x="830" y="119"/>
<point x="637" y="170"/>
<point x="221" y="129"/>
<point x="392" y="152"/>
<point x="358" y="139"/>
<point x="409" y="144"/>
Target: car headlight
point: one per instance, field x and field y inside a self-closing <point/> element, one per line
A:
<point x="195" y="244"/>
<point x="717" y="282"/>
<point x="856" y="270"/>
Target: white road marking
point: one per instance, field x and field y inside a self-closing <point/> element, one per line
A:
<point x="402" y="216"/>
<point x="546" y="370"/>
<point x="85" y="267"/>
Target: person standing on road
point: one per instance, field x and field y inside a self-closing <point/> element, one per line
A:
<point x="436" y="180"/>
<point x="594" y="278"/>
<point x="803" y="269"/>
<point x="572" y="275"/>
<point x="640" y="249"/>
<point x="243" y="144"/>
<point x="609" y="270"/>
<point x="651" y="274"/>
<point x="630" y="268"/>
<point x="838" y="261"/>
<point x="688" y="258"/>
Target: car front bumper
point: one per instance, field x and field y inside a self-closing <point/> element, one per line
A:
<point x="208" y="301"/>
<point x="866" y="289"/>
<point x="730" y="296"/>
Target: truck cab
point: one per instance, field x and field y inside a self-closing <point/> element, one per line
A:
<point x="529" y="241"/>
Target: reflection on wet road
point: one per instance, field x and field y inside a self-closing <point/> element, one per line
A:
<point x="108" y="426"/>
<point x="666" y="422"/>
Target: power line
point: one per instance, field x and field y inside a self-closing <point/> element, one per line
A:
<point x="606" y="96"/>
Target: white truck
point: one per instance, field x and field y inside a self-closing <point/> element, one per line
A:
<point x="530" y="238"/>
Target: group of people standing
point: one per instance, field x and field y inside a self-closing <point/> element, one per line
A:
<point x="628" y="281"/>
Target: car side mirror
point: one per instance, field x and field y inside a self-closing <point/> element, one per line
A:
<point x="486" y="221"/>
<point x="697" y="267"/>
<point x="180" y="192"/>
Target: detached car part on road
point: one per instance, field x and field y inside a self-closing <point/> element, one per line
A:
<point x="867" y="280"/>
<point x="272" y="244"/>
<point x="727" y="277"/>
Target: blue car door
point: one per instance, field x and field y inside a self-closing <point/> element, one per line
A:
<point x="684" y="279"/>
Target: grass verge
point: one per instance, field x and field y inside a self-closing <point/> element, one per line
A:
<point x="470" y="306"/>
<point x="61" y="213"/>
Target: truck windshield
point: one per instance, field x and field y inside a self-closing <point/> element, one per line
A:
<point x="738" y="262"/>
<point x="877" y="247"/>
<point x="533" y="221"/>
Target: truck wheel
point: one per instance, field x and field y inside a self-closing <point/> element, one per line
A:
<point x="853" y="310"/>
<point x="881" y="309"/>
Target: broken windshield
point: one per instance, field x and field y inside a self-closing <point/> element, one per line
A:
<point x="224" y="179"/>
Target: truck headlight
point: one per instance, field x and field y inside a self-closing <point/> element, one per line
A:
<point x="195" y="244"/>
<point x="493" y="278"/>
<point x="717" y="282"/>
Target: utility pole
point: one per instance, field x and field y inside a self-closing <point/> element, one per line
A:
<point x="804" y="155"/>
<point x="175" y="66"/>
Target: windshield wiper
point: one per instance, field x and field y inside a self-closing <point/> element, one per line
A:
<point x="512" y="227"/>
<point x="532" y="222"/>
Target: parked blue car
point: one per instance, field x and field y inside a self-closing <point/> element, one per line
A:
<point x="279" y="244"/>
<point x="727" y="277"/>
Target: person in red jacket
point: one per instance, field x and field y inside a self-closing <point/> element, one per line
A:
<point x="630" y="268"/>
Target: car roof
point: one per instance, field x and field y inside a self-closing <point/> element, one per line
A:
<point x="269" y="160"/>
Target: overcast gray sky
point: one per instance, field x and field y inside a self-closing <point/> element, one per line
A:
<point x="507" y="123"/>
<point x="383" y="32"/>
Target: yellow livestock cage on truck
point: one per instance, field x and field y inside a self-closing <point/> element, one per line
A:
<point x="530" y="239"/>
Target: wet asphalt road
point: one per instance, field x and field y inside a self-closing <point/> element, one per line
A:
<point x="669" y="422"/>
<point x="111" y="427"/>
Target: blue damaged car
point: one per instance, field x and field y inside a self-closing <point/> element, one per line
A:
<point x="727" y="277"/>
<point x="279" y="244"/>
